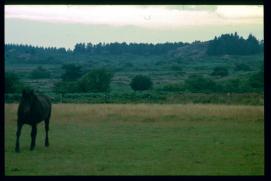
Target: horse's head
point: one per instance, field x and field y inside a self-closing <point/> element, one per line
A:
<point x="28" y="97"/>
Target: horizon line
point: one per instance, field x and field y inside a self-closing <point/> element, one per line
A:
<point x="128" y="43"/>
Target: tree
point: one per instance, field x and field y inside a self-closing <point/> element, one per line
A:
<point x="220" y="71"/>
<point x="72" y="72"/>
<point x="140" y="83"/>
<point x="256" y="80"/>
<point x="232" y="44"/>
<point x="253" y="45"/>
<point x="40" y="73"/>
<point x="80" y="48"/>
<point x="96" y="80"/>
<point x="12" y="83"/>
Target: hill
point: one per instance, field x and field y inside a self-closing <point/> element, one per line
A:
<point x="169" y="65"/>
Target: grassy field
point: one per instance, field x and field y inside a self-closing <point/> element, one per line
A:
<point x="141" y="139"/>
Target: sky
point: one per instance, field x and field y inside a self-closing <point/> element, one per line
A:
<point x="66" y="25"/>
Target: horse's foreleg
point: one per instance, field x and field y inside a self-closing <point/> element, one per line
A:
<point x="18" y="133"/>
<point x="33" y="136"/>
<point x="46" y="130"/>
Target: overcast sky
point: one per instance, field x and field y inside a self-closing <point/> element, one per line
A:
<point x="64" y="26"/>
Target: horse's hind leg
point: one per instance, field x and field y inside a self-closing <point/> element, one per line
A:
<point x="33" y="136"/>
<point x="18" y="133"/>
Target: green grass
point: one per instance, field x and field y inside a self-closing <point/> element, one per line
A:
<point x="141" y="139"/>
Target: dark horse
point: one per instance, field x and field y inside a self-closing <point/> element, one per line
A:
<point x="33" y="109"/>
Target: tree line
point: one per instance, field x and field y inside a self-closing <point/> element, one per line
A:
<point x="96" y="49"/>
<point x="231" y="44"/>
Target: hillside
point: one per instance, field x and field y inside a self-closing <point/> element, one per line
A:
<point x="169" y="65"/>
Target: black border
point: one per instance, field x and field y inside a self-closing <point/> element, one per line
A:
<point x="2" y="93"/>
<point x="267" y="88"/>
<point x="267" y="59"/>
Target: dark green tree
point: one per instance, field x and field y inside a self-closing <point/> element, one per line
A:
<point x="96" y="80"/>
<point x="232" y="44"/>
<point x="252" y="44"/>
<point x="256" y="80"/>
<point x="72" y="72"/>
<point x="141" y="82"/>
<point x="12" y="83"/>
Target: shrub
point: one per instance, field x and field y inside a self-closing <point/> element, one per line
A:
<point x="220" y="71"/>
<point x="66" y="87"/>
<point x="173" y="87"/>
<point x="256" y="80"/>
<point x="242" y="67"/>
<point x="197" y="83"/>
<point x="40" y="73"/>
<point x="97" y="80"/>
<point x="140" y="83"/>
<point x="176" y="68"/>
<point x="236" y="85"/>
<point x="12" y="83"/>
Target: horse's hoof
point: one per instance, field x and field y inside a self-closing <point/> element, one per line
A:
<point x="47" y="144"/>
<point x="32" y="148"/>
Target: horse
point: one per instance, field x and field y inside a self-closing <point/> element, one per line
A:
<point x="33" y="109"/>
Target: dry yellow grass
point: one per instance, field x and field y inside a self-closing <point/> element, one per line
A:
<point x="99" y="111"/>
<point x="96" y="112"/>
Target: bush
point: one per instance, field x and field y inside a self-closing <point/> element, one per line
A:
<point x="197" y="83"/>
<point x="220" y="71"/>
<point x="140" y="83"/>
<point x="173" y="87"/>
<point x="236" y="85"/>
<point x="40" y="73"/>
<point x="242" y="67"/>
<point x="176" y="68"/>
<point x="97" y="80"/>
<point x="256" y="80"/>
<point x="12" y="83"/>
<point x="66" y="87"/>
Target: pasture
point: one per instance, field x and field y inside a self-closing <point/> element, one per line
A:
<point x="141" y="139"/>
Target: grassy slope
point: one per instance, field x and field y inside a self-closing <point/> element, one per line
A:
<point x="141" y="140"/>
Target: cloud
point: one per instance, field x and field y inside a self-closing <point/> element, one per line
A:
<point x="248" y="12"/>
<point x="158" y="17"/>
